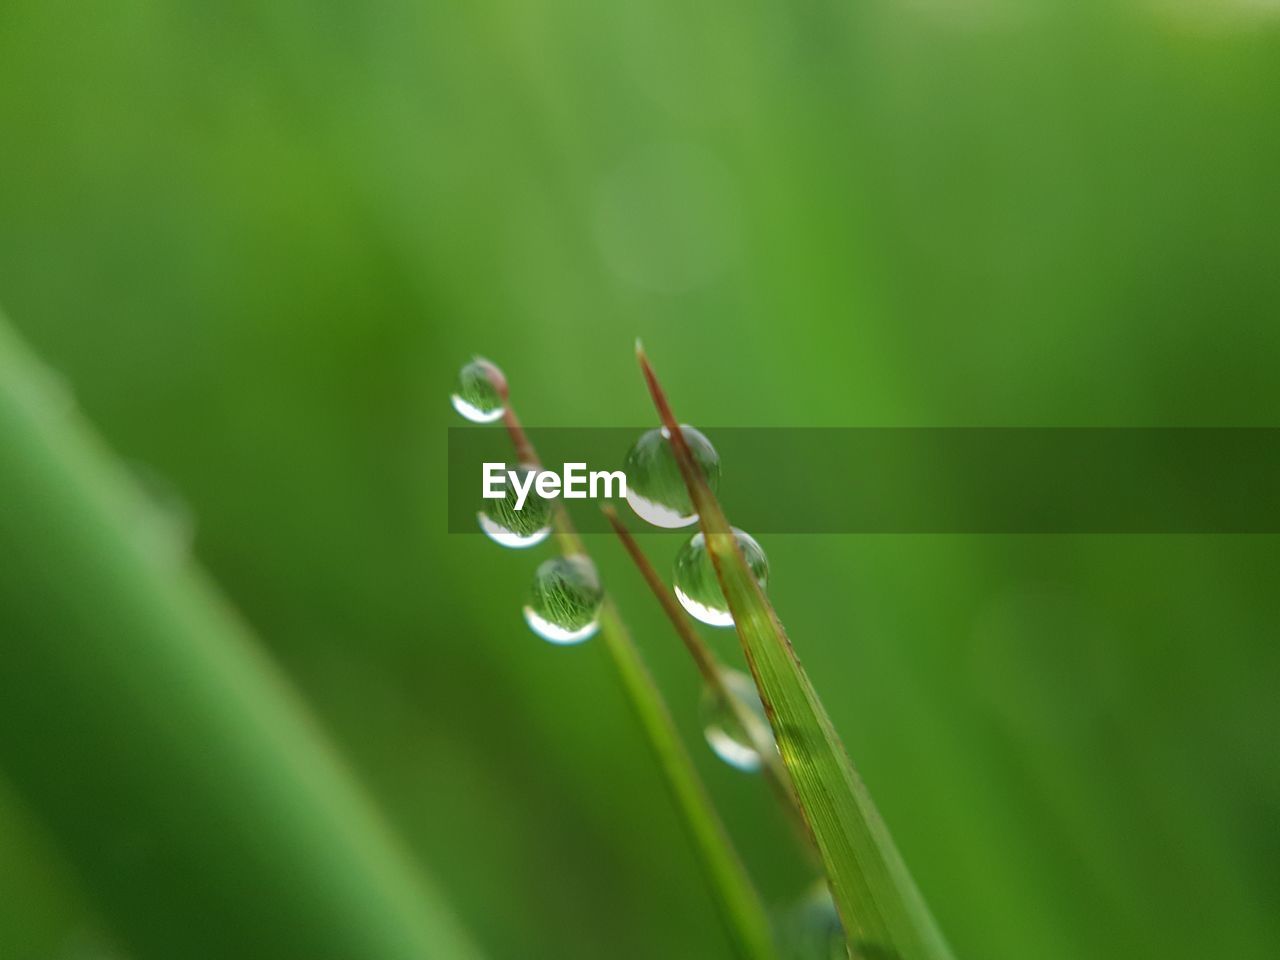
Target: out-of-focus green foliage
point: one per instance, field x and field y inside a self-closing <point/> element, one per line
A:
<point x="166" y="756"/>
<point x="259" y="240"/>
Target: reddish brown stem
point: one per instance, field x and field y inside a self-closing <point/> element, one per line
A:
<point x="703" y="658"/>
<point x="526" y="455"/>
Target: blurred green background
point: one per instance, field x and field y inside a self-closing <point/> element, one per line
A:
<point x="260" y="238"/>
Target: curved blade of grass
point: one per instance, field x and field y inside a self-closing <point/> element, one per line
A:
<point x="199" y="804"/>
<point x="882" y="911"/>
<point x="740" y="906"/>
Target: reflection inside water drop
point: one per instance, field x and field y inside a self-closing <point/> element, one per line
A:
<point x="477" y="397"/>
<point x="505" y="525"/>
<point x="734" y="732"/>
<point x="695" y="582"/>
<point x="565" y="600"/>
<point x="656" y="489"/>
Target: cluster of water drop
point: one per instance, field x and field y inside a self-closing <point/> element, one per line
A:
<point x="566" y="596"/>
<point x="733" y="716"/>
<point x="658" y="494"/>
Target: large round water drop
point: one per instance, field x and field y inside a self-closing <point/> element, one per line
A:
<point x="696" y="585"/>
<point x="655" y="487"/>
<point x="565" y="600"/>
<point x="505" y="525"/>
<point x="735" y="730"/>
<point x="477" y="398"/>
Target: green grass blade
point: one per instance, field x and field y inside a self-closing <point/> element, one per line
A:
<point x="739" y="903"/>
<point x="883" y="913"/>
<point x="201" y="807"/>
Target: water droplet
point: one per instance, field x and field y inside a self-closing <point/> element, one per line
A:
<point x="655" y="487"/>
<point x="509" y="527"/>
<point x="696" y="585"/>
<point x="565" y="600"/>
<point x="477" y="398"/>
<point x="735" y="731"/>
<point x="810" y="929"/>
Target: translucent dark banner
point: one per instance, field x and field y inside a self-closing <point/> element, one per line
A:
<point x="936" y="480"/>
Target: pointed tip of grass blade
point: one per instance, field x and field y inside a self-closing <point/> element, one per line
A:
<point x="698" y="489"/>
<point x="655" y="388"/>
<point x="646" y="368"/>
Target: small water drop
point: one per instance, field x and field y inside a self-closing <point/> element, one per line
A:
<point x="810" y="929"/>
<point x="505" y="525"/>
<point x="735" y="738"/>
<point x="655" y="487"/>
<point x="477" y="398"/>
<point x="696" y="585"/>
<point x="565" y="600"/>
